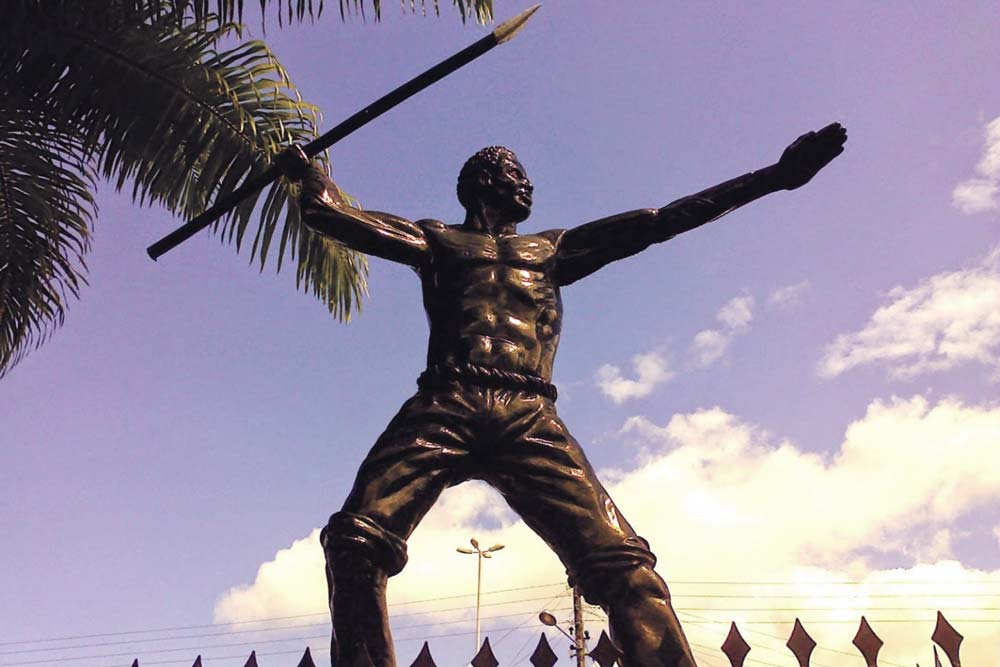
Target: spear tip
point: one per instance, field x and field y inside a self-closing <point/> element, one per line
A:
<point x="506" y="30"/>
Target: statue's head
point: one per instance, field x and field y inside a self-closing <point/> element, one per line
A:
<point x="493" y="178"/>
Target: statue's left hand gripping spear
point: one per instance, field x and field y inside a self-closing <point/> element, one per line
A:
<point x="503" y="32"/>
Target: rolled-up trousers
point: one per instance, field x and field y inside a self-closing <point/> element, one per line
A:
<point x="513" y="440"/>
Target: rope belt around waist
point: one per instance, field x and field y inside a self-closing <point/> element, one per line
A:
<point x="484" y="376"/>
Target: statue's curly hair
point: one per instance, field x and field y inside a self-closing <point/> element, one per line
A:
<point x="488" y="158"/>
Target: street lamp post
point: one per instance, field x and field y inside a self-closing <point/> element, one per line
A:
<point x="481" y="553"/>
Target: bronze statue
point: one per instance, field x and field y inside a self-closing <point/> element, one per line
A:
<point x="485" y="406"/>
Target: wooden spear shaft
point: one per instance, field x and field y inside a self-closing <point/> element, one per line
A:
<point x="503" y="33"/>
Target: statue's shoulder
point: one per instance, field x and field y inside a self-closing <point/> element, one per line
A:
<point x="432" y="225"/>
<point x="551" y="235"/>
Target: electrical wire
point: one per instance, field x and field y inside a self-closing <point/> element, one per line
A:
<point x="260" y="620"/>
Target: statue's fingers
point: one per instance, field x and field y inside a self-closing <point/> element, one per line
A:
<point x="834" y="133"/>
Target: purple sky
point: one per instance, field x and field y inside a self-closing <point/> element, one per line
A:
<point x="193" y="416"/>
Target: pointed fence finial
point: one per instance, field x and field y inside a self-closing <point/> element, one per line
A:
<point x="937" y="660"/>
<point x="543" y="656"/>
<point x="197" y="662"/>
<point x="424" y="658"/>
<point x="605" y="653"/>
<point x="485" y="657"/>
<point x="735" y="647"/>
<point x="948" y="639"/>
<point x="135" y="663"/>
<point x="801" y="644"/>
<point x="252" y="660"/>
<point x="307" y="659"/>
<point x="868" y="643"/>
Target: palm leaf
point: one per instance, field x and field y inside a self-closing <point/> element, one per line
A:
<point x="46" y="210"/>
<point x="155" y="96"/>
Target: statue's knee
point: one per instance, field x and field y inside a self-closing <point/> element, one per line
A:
<point x="354" y="543"/>
<point x="622" y="572"/>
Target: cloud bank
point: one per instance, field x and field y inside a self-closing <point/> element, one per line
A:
<point x="951" y="318"/>
<point x="722" y="500"/>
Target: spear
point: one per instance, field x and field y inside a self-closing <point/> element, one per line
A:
<point x="503" y="33"/>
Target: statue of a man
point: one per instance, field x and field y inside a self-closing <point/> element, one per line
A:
<point x="485" y="406"/>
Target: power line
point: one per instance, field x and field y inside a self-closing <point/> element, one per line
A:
<point x="321" y="649"/>
<point x="253" y="641"/>
<point x="233" y="645"/>
<point x="841" y="596"/>
<point x="259" y="620"/>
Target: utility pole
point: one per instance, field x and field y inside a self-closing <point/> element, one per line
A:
<point x="482" y="553"/>
<point x="579" y="635"/>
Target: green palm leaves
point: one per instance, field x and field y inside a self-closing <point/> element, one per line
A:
<point x="160" y="97"/>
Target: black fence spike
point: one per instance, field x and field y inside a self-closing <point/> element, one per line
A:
<point x="948" y="638"/>
<point x="307" y="659"/>
<point x="735" y="647"/>
<point x="606" y="653"/>
<point x="424" y="658"/>
<point x="485" y="657"/>
<point x="543" y="655"/>
<point x="801" y="644"/>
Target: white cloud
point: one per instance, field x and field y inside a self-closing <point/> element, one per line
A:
<point x="710" y="345"/>
<point x="722" y="500"/>
<point x="789" y="295"/>
<point x="949" y="319"/>
<point x="975" y="195"/>
<point x="979" y="194"/>
<point x="652" y="371"/>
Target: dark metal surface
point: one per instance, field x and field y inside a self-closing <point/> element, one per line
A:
<point x="252" y="660"/>
<point x="306" y="660"/>
<point x="801" y="644"/>
<point x="485" y="657"/>
<point x="606" y="653"/>
<point x="868" y="643"/>
<point x="735" y="647"/>
<point x="485" y="409"/>
<point x="948" y="639"/>
<point x="424" y="658"/>
<point x="543" y="655"/>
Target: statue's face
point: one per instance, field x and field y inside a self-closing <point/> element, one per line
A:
<point x="511" y="190"/>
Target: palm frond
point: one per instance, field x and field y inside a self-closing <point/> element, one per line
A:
<point x="481" y="10"/>
<point x="146" y="93"/>
<point x="195" y="122"/>
<point x="46" y="211"/>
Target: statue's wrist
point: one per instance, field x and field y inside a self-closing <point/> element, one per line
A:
<point x="776" y="177"/>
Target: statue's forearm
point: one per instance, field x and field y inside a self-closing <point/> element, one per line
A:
<point x="702" y="207"/>
<point x="326" y="211"/>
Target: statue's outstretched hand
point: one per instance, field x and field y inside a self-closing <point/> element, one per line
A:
<point x="808" y="154"/>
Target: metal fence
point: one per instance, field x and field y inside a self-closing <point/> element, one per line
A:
<point x="735" y="647"/>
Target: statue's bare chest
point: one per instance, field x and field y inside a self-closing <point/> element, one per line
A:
<point x="460" y="249"/>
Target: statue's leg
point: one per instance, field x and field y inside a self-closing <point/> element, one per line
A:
<point x="543" y="473"/>
<point x="412" y="462"/>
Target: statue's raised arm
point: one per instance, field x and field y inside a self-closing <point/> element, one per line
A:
<point x="325" y="211"/>
<point x="587" y="248"/>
